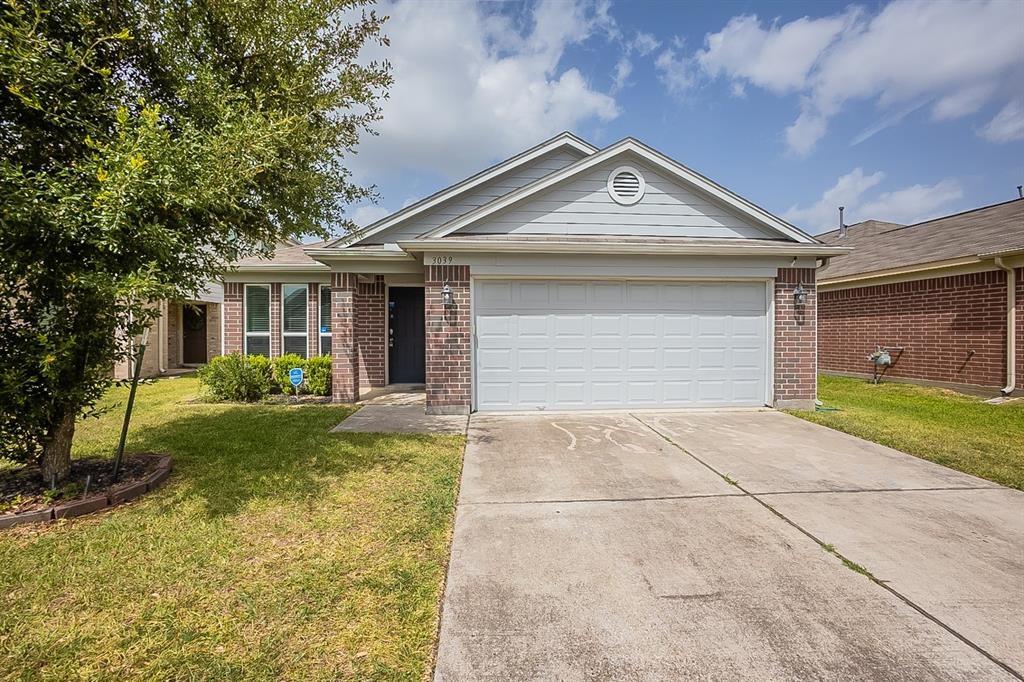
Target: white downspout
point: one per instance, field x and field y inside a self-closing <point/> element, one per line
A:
<point x="1011" y="325"/>
<point x="161" y="339"/>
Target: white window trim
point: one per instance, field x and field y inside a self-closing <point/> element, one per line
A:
<point x="305" y="325"/>
<point x="319" y="304"/>
<point x="245" y="318"/>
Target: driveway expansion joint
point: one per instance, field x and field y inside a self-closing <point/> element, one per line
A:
<point x="654" y="498"/>
<point x="848" y="491"/>
<point x="829" y="548"/>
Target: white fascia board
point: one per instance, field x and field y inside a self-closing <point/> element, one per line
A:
<point x="562" y="140"/>
<point x="673" y="168"/>
<point x="441" y="245"/>
<point x="279" y="267"/>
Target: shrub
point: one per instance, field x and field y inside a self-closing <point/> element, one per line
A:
<point x="246" y="378"/>
<point x="284" y="364"/>
<point x="318" y="375"/>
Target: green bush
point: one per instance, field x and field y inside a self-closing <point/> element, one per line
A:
<point x="246" y="378"/>
<point x="318" y="375"/>
<point x="284" y="364"/>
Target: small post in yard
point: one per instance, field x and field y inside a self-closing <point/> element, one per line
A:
<point x="131" y="403"/>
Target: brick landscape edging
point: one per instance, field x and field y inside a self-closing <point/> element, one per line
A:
<point x="116" y="495"/>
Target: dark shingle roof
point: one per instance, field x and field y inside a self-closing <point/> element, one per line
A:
<point x="883" y="246"/>
<point x="286" y="253"/>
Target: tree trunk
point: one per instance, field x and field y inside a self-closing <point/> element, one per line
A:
<point x="56" y="461"/>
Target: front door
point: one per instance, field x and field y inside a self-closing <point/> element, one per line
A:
<point x="407" y="358"/>
<point x="193" y="335"/>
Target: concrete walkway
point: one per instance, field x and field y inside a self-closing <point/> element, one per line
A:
<point x="672" y="546"/>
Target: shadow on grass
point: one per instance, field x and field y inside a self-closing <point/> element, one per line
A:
<point x="233" y="456"/>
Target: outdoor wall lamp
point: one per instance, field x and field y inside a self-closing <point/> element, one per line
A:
<point x="447" y="300"/>
<point x="800" y="295"/>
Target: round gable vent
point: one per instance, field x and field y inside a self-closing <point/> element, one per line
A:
<point x="626" y="185"/>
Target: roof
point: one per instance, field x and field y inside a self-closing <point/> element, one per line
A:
<point x="633" y="146"/>
<point x="879" y="247"/>
<point x="286" y="254"/>
<point x="564" y="139"/>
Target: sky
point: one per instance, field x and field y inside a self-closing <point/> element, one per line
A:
<point x="901" y="111"/>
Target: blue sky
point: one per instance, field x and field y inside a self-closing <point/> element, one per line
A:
<point x="901" y="111"/>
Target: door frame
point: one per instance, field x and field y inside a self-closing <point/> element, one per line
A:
<point x="769" y="314"/>
<point x="387" y="323"/>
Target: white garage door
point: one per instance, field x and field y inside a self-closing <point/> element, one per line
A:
<point x="562" y="345"/>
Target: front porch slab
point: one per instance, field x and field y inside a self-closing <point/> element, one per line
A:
<point x="401" y="419"/>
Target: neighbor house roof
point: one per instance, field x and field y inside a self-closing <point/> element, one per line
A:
<point x="287" y="255"/>
<point x="879" y="247"/>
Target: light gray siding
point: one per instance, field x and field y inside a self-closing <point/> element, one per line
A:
<point x="582" y="206"/>
<point x="413" y="228"/>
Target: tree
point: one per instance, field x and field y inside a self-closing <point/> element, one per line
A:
<point x="146" y="145"/>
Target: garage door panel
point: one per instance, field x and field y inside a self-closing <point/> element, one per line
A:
<point x="577" y="345"/>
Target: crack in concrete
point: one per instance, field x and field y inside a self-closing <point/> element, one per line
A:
<point x="881" y="583"/>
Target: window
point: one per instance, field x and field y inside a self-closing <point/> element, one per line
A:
<point x="325" y="320"/>
<point x="293" y="319"/>
<point x="257" y="319"/>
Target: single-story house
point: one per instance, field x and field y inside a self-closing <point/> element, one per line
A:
<point x="186" y="334"/>
<point x="942" y="295"/>
<point x="566" y="277"/>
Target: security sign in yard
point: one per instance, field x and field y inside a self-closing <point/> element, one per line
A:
<point x="295" y="376"/>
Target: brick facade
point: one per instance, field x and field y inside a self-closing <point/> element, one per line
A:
<point x="938" y="322"/>
<point x="796" y="380"/>
<point x="233" y="319"/>
<point x="371" y="310"/>
<point x="448" y="343"/>
<point x="344" y="351"/>
<point x="275" y="320"/>
<point x="312" y="320"/>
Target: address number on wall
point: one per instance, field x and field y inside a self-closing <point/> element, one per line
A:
<point x="442" y="260"/>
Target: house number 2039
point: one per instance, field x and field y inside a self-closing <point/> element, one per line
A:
<point x="442" y="260"/>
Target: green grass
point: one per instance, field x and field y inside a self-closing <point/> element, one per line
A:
<point x="957" y="431"/>
<point x="275" y="551"/>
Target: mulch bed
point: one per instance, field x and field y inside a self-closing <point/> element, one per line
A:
<point x="23" y="492"/>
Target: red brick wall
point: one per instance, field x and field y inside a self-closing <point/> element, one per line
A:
<point x="344" y="352"/>
<point x="312" y="320"/>
<point x="275" y="320"/>
<point x="370" y="335"/>
<point x="1020" y="329"/>
<point x="795" y="338"/>
<point x="232" y="310"/>
<point x="937" y="321"/>
<point x="449" y="364"/>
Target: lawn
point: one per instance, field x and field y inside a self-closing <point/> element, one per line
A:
<point x="276" y="551"/>
<point x="955" y="430"/>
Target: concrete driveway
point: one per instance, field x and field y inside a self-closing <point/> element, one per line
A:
<point x="712" y="545"/>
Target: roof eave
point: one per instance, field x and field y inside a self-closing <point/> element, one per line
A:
<point x="463" y="246"/>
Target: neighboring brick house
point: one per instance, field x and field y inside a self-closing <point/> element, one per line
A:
<point x="945" y="292"/>
<point x="186" y="334"/>
<point x="566" y="277"/>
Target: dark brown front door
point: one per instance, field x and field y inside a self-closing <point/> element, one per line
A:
<point x="193" y="335"/>
<point x="407" y="359"/>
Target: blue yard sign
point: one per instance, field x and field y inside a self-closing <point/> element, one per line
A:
<point x="295" y="376"/>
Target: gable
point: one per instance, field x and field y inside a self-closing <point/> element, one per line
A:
<point x="581" y="205"/>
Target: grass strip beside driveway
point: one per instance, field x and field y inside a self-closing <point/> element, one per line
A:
<point x="958" y="431"/>
<point x="275" y="551"/>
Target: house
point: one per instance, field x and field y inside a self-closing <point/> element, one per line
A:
<point x="943" y="295"/>
<point x="566" y="277"/>
<point x="186" y="334"/>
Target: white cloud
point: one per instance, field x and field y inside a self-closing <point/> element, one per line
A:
<point x="645" y="43"/>
<point x="675" y="72"/>
<point x="1008" y="124"/>
<point x="906" y="205"/>
<point x="958" y="55"/>
<point x="623" y="68"/>
<point x="367" y="214"/>
<point x="472" y="87"/>
<point x="642" y="44"/>
<point x="777" y="58"/>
